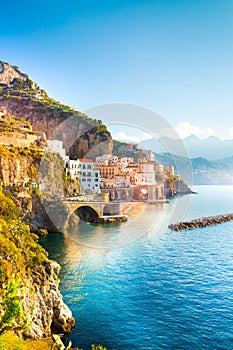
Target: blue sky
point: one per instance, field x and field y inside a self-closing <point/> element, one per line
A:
<point x="173" y="56"/>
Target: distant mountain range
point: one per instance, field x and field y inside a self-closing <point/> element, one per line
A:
<point x="211" y="148"/>
<point x="197" y="170"/>
<point x="204" y="172"/>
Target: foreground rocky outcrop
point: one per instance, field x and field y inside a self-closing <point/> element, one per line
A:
<point x="31" y="304"/>
<point x="44" y="305"/>
<point x="202" y="222"/>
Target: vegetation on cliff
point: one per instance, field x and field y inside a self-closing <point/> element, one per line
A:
<point x="19" y="253"/>
<point x="174" y="186"/>
<point x="21" y="172"/>
<point x="9" y="123"/>
<point x="31" y="304"/>
<point x="18" y="165"/>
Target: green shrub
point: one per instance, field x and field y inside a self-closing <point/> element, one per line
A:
<point x="13" y="316"/>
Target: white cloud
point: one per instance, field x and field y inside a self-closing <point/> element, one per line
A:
<point x="185" y="129"/>
<point x="122" y="136"/>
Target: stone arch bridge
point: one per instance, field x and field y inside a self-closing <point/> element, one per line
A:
<point x="63" y="214"/>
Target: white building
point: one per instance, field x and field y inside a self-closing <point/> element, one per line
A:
<point x="142" y="178"/>
<point x="150" y="156"/>
<point x="123" y="163"/>
<point x="159" y="168"/>
<point x="56" y="146"/>
<point x="147" y="167"/>
<point x="83" y="169"/>
<point x="73" y="168"/>
<point x="170" y="170"/>
<point x="109" y="158"/>
<point x="126" y="160"/>
<point x="122" y="181"/>
<point x="147" y="174"/>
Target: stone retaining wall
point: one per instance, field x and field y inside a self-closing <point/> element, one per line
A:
<point x="20" y="141"/>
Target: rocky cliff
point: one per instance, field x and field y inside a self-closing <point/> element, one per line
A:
<point x="19" y="166"/>
<point x="22" y="97"/>
<point x="175" y="186"/>
<point x="8" y="73"/>
<point x="31" y="304"/>
<point x="21" y="170"/>
<point x="43" y="303"/>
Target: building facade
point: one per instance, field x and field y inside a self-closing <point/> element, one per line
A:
<point x="84" y="170"/>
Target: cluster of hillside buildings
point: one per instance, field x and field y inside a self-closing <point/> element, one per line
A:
<point x="110" y="173"/>
<point x="119" y="177"/>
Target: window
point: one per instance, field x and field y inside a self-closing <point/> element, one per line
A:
<point x="84" y="173"/>
<point x="89" y="166"/>
<point x="96" y="180"/>
<point x="84" y="166"/>
<point x="88" y="174"/>
<point x="89" y="180"/>
<point x="83" y="180"/>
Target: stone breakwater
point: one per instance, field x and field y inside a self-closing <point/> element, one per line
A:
<point x="201" y="222"/>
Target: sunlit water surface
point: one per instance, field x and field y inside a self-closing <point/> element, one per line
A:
<point x="140" y="286"/>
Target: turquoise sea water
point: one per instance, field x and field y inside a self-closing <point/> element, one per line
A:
<point x="164" y="290"/>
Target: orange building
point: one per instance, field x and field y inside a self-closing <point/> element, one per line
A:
<point x="108" y="170"/>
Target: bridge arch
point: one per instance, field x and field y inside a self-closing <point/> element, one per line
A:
<point x="84" y="212"/>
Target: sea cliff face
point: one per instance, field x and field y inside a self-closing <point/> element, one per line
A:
<point x="44" y="304"/>
<point x="31" y="304"/>
<point x="41" y="299"/>
<point x="175" y="186"/>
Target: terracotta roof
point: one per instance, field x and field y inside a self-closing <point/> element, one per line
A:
<point x="132" y="166"/>
<point x="85" y="160"/>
